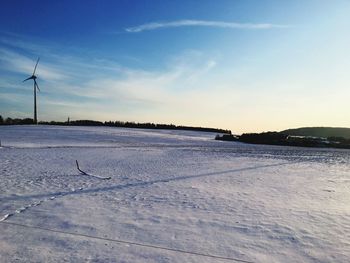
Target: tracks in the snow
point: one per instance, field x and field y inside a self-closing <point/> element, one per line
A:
<point x="52" y="197"/>
<point x="163" y="180"/>
<point x="36" y="203"/>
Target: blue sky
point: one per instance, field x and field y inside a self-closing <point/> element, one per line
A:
<point x="243" y="65"/>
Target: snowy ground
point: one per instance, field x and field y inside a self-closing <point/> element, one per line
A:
<point x="173" y="196"/>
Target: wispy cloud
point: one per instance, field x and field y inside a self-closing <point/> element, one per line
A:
<point x="16" y="62"/>
<point x="104" y="89"/>
<point x="202" y="23"/>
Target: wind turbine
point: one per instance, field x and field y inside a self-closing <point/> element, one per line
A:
<point x="36" y="87"/>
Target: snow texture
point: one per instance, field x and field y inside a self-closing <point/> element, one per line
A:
<point x="173" y="196"/>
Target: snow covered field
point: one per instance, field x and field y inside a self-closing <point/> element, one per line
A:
<point x="173" y="196"/>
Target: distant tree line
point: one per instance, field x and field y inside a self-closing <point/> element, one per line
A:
<point x="281" y="138"/>
<point x="148" y="125"/>
<point x="16" y="121"/>
<point x="325" y="132"/>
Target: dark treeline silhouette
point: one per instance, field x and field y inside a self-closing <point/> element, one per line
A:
<point x="256" y="138"/>
<point x="227" y="137"/>
<point x="281" y="138"/>
<point x="16" y="121"/>
<point x="264" y="138"/>
<point x="320" y="132"/>
<point x="127" y="124"/>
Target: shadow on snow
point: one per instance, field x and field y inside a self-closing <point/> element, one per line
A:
<point x="140" y="184"/>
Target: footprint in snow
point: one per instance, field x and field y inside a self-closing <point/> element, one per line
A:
<point x="20" y="210"/>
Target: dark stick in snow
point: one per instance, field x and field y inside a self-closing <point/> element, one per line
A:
<point x="79" y="168"/>
<point x="84" y="173"/>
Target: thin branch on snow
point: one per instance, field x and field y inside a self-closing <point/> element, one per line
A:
<point x="81" y="171"/>
<point x="96" y="176"/>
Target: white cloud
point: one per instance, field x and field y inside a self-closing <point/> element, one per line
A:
<point x="202" y="23"/>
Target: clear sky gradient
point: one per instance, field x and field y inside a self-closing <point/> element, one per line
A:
<point x="248" y="66"/>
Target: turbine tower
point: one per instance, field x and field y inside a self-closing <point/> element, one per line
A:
<point x="36" y="87"/>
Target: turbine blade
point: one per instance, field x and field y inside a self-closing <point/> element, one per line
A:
<point x="27" y="79"/>
<point x="36" y="85"/>
<point x="36" y="66"/>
